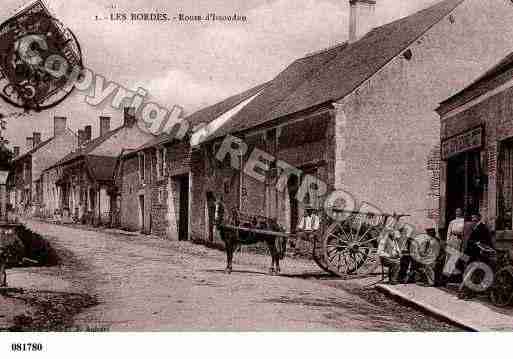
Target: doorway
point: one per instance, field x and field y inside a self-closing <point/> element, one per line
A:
<point x="211" y="209"/>
<point x="463" y="189"/>
<point x="183" y="210"/>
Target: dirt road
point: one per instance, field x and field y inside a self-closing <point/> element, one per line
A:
<point x="144" y="283"/>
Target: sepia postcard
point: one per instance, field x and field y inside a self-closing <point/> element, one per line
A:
<point x="296" y="166"/>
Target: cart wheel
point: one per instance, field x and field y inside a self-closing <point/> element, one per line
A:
<point x="502" y="289"/>
<point x="319" y="257"/>
<point x="349" y="249"/>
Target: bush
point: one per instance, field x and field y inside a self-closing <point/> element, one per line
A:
<point x="37" y="248"/>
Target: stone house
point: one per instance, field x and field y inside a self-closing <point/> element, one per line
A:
<point x="476" y="170"/>
<point x="29" y="165"/>
<point x="358" y="117"/>
<point x="153" y="183"/>
<point x="79" y="184"/>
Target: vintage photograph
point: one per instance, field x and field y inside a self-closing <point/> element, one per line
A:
<point x="256" y="166"/>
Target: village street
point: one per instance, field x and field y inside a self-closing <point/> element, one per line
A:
<point x="146" y="283"/>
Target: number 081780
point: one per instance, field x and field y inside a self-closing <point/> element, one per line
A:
<point x="26" y="347"/>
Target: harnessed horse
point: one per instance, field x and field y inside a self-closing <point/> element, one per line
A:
<point x="234" y="236"/>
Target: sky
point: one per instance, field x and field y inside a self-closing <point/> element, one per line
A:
<point x="192" y="65"/>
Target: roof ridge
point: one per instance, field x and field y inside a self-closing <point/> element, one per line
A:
<point x="332" y="62"/>
<point x="326" y="49"/>
<point x="34" y="149"/>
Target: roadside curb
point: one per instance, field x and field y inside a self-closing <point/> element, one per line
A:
<point x="398" y="295"/>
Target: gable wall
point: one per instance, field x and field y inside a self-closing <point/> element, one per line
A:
<point x="387" y="128"/>
<point x="127" y="137"/>
<point x="52" y="152"/>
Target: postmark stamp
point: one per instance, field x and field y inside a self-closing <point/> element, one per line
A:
<point x="37" y="55"/>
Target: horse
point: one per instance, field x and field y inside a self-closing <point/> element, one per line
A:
<point x="233" y="237"/>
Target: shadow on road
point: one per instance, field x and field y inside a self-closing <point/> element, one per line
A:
<point x="54" y="311"/>
<point x="235" y="271"/>
<point x="315" y="275"/>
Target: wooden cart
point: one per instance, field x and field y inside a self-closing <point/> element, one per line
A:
<point x="346" y="242"/>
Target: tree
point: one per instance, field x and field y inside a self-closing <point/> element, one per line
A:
<point x="6" y="154"/>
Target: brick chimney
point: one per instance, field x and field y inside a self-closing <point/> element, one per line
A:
<point x="129" y="116"/>
<point x="81" y="138"/>
<point x="361" y="18"/>
<point x="104" y="125"/>
<point x="30" y="143"/>
<point x="36" y="138"/>
<point x="16" y="151"/>
<point x="59" y="125"/>
<point x="88" y="133"/>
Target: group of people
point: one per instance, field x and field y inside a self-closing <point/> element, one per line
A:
<point x="394" y="252"/>
<point x="467" y="242"/>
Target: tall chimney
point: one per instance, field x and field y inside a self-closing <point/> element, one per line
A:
<point x="81" y="137"/>
<point x="36" y="138"/>
<point x="16" y="151"/>
<point x="361" y="18"/>
<point x="30" y="143"/>
<point x="59" y="125"/>
<point x="129" y="116"/>
<point x="104" y="125"/>
<point x="87" y="133"/>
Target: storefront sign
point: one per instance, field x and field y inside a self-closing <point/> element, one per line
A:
<point x="463" y="142"/>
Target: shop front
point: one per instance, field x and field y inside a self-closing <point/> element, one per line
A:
<point x="476" y="169"/>
<point x="463" y="157"/>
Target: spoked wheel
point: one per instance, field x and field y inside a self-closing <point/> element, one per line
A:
<point x="349" y="249"/>
<point x="319" y="257"/>
<point x="502" y="289"/>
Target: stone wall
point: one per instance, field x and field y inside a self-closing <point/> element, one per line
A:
<point x="496" y="115"/>
<point x="389" y="126"/>
<point x="161" y="194"/>
<point x="131" y="187"/>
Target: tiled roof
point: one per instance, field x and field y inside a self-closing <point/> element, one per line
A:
<point x="207" y="114"/>
<point x="34" y="149"/>
<point x="491" y="79"/>
<point x="333" y="74"/>
<point x="160" y="139"/>
<point x="101" y="167"/>
<point x="89" y="147"/>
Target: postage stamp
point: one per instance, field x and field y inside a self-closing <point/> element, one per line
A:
<point x="31" y="42"/>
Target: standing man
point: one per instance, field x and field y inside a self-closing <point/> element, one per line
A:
<point x="307" y="227"/>
<point x="454" y="242"/>
<point x="479" y="241"/>
<point x="479" y="237"/>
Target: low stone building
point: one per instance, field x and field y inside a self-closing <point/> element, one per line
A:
<point x="357" y="117"/>
<point x="477" y="151"/>
<point x="28" y="166"/>
<point x="152" y="185"/>
<point x="83" y="179"/>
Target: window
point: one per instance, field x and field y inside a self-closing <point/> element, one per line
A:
<point x="162" y="196"/>
<point x="161" y="162"/>
<point x="141" y="166"/>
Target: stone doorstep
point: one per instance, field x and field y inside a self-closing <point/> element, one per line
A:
<point x="472" y="315"/>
